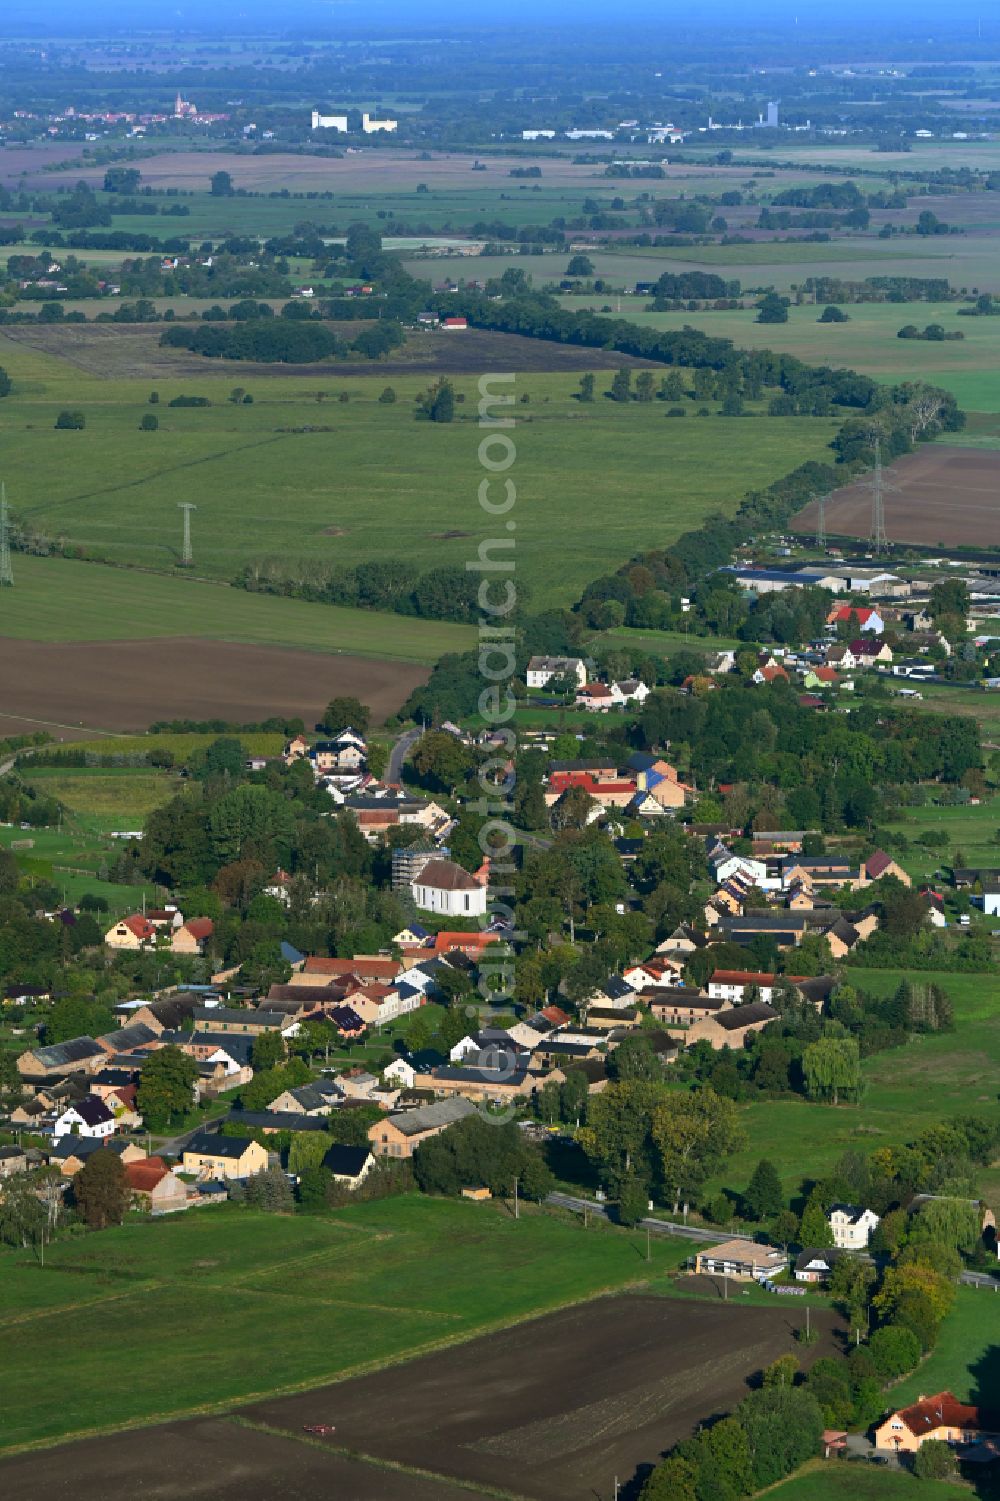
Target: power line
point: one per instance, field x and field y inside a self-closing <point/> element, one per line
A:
<point x="821" y="522"/>
<point x="187" y="556"/>
<point x="879" y="540"/>
<point x="6" y="570"/>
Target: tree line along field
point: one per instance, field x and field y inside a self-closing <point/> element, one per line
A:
<point x="313" y="1298"/>
<point x="867" y="343"/>
<point x="596" y="483"/>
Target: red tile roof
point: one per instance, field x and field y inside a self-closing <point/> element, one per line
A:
<point x="469" y="943"/>
<point x="200" y="927"/>
<point x="145" y="1175"/>
<point x="940" y="1411"/>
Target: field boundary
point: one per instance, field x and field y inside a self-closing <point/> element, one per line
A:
<point x="363" y="1368"/>
<point x="359" y="1456"/>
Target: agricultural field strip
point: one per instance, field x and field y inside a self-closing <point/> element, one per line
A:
<point x="377" y="1462"/>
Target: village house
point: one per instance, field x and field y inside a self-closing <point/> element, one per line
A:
<point x="880" y="864"/>
<point x="316" y="1099"/>
<point x="940" y="1418"/>
<point x="661" y="970"/>
<point x="346" y="751"/>
<point x="851" y="1226"/>
<point x="478" y="1081"/>
<point x="208" y="1155"/>
<point x="445" y="887"/>
<point x="731" y="1027"/>
<point x="76" y="1055"/>
<point x="12" y="1160"/>
<point x="349" y="1165"/>
<point x="542" y="670"/>
<point x="743" y="1260"/>
<point x="733" y="984"/>
<point x="71" y="1152"/>
<point x="400" y="1134"/>
<point x="864" y="617"/>
<point x="678" y="1006"/>
<point x="155" y="1186"/>
<point x="191" y="936"/>
<point x="142" y="929"/>
<point x="607" y="791"/>
<point x="225" y="1019"/>
<point x="815" y="1265"/>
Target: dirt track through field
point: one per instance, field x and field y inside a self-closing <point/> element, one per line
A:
<point x="943" y="496"/>
<point x="126" y="685"/>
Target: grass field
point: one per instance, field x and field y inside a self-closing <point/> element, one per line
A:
<point x="595" y="483"/>
<point x="312" y="1298"/>
<point x="55" y="599"/>
<point x="106" y="797"/>
<point x="966" y="1358"/>
<point x="969" y="831"/>
<point x="868" y="343"/>
<point x="837" y="1481"/>
<point x="929" y="1079"/>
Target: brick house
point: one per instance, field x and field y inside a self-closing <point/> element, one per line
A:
<point x="399" y="1135"/>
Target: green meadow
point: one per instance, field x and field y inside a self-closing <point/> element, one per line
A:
<point x="57" y="599"/>
<point x="302" y="475"/>
<point x="836" y="1480"/>
<point x="930" y="1078"/>
<point x="868" y="343"/>
<point x="314" y="1298"/>
<point x="966" y="1358"/>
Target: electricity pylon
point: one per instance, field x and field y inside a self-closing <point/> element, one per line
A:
<point x="6" y="571"/>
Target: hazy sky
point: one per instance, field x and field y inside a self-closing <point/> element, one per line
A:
<point x="906" y="17"/>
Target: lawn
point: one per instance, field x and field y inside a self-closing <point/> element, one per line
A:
<point x="71" y="858"/>
<point x="840" y="1481"/>
<point x="343" y="483"/>
<point x="55" y="599"/>
<point x="908" y="1088"/>
<point x="313" y="1299"/>
<point x="966" y="1358"/>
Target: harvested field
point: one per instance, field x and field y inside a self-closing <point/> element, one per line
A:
<point x="557" y="1407"/>
<point x="207" y="1460"/>
<point x="132" y="352"/>
<point x="126" y="685"/>
<point x="943" y="496"/>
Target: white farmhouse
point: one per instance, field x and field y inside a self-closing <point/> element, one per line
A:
<point x="541" y="670"/>
<point x="851" y="1227"/>
<point x="89" y="1117"/>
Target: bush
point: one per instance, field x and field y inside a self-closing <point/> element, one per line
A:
<point x="934" y="1460"/>
<point x="150" y="422"/>
<point x="190" y="401"/>
<point x="71" y="421"/>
